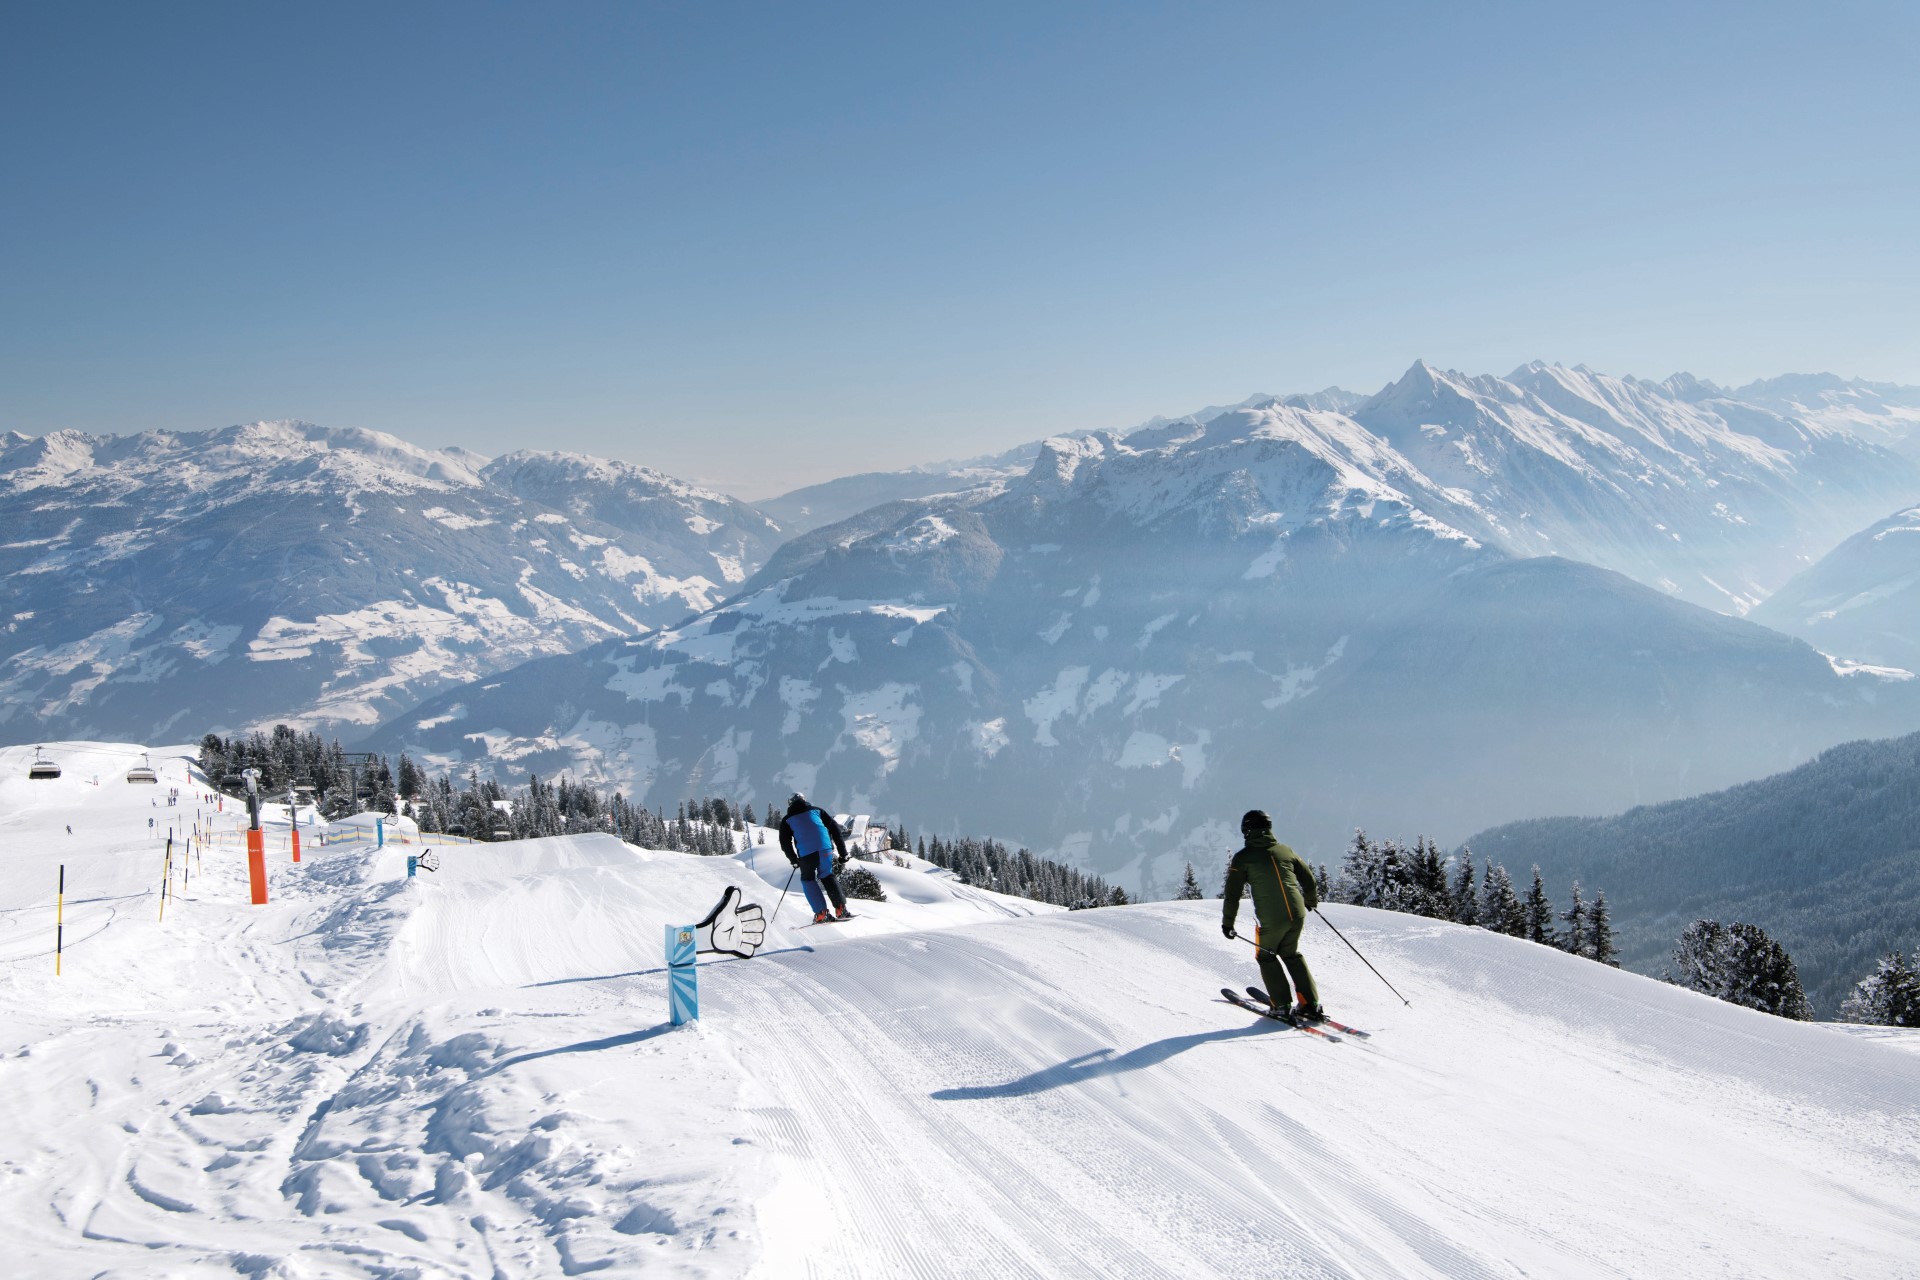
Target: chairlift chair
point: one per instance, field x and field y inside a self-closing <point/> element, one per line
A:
<point x="143" y="772"/>
<point x="42" y="769"/>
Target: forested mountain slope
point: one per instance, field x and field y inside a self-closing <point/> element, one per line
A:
<point x="1825" y="857"/>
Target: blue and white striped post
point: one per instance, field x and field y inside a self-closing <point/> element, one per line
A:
<point x="683" y="981"/>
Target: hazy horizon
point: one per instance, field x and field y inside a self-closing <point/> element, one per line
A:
<point x="761" y="247"/>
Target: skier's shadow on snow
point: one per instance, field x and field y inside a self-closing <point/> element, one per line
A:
<point x="1101" y="1062"/>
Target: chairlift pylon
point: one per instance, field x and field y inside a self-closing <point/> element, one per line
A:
<point x="42" y="769"/>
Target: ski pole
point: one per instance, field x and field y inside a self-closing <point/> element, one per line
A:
<point x="783" y="892"/>
<point x="1363" y="959"/>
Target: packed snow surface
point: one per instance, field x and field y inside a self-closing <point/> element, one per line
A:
<point x="471" y="1074"/>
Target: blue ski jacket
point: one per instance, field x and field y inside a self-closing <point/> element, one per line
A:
<point x="812" y="830"/>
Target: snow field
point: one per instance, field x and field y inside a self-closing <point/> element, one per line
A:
<point x="470" y="1075"/>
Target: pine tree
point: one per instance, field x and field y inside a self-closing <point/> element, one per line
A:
<point x="1466" y="902"/>
<point x="1741" y="964"/>
<point x="1189" y="887"/>
<point x="1363" y="877"/>
<point x="1574" y="941"/>
<point x="1887" y="997"/>
<point x="409" y="776"/>
<point x="1539" y="913"/>
<point x="1431" y="896"/>
<point x="1118" y="898"/>
<point x="1600" y="943"/>
<point x="1500" y="908"/>
<point x="859" y="882"/>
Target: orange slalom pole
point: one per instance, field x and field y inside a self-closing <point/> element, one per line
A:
<point x="257" y="866"/>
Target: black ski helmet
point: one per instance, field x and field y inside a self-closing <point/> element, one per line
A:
<point x="1255" y="820"/>
<point x="797" y="803"/>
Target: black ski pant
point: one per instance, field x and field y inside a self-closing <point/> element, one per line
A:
<point x="812" y="881"/>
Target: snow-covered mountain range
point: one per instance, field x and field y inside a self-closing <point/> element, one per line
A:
<point x="179" y="581"/>
<point x="1341" y="616"/>
<point x="1678" y="484"/>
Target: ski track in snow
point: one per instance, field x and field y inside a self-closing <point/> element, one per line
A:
<point x="470" y="1075"/>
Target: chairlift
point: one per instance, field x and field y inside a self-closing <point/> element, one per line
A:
<point x="143" y="772"/>
<point x="42" y="769"/>
<point x="503" y="832"/>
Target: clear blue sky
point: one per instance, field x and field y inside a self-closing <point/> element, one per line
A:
<point x="761" y="245"/>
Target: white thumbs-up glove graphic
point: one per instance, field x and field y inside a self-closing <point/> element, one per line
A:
<point x="733" y="927"/>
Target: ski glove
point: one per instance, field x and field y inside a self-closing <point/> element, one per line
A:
<point x="1228" y="930"/>
<point x="733" y="927"/>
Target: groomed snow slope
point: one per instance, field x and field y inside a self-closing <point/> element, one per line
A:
<point x="469" y="1075"/>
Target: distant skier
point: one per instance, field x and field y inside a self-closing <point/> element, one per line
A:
<point x="1283" y="893"/>
<point x="810" y="837"/>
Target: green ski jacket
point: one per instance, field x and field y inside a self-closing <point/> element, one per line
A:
<point x="1283" y="887"/>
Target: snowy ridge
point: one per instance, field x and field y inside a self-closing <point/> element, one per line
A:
<point x="1672" y="484"/>
<point x="1861" y="601"/>
<point x="470" y="1073"/>
<point x="325" y="577"/>
<point x="1879" y="411"/>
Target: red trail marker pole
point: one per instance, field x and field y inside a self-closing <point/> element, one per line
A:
<point x="257" y="866"/>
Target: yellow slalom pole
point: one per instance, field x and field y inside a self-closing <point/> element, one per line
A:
<point x="60" y="920"/>
<point x="166" y="880"/>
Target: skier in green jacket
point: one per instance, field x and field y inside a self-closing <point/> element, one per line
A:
<point x="1283" y="893"/>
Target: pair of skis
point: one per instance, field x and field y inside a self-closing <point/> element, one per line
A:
<point x="830" y="920"/>
<point x="1257" y="1001"/>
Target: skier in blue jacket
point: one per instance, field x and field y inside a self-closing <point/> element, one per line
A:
<point x="810" y="837"/>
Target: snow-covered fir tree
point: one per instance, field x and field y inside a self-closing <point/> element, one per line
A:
<point x="1189" y="887"/>
<point x="1500" y="908"/>
<point x="1741" y="964"/>
<point x="1466" y="902"/>
<point x="1887" y="997"/>
<point x="1600" y="943"/>
<point x="1575" y="940"/>
<point x="1539" y="912"/>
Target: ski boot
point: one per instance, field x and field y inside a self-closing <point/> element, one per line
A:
<point x="821" y="917"/>
<point x="841" y="913"/>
